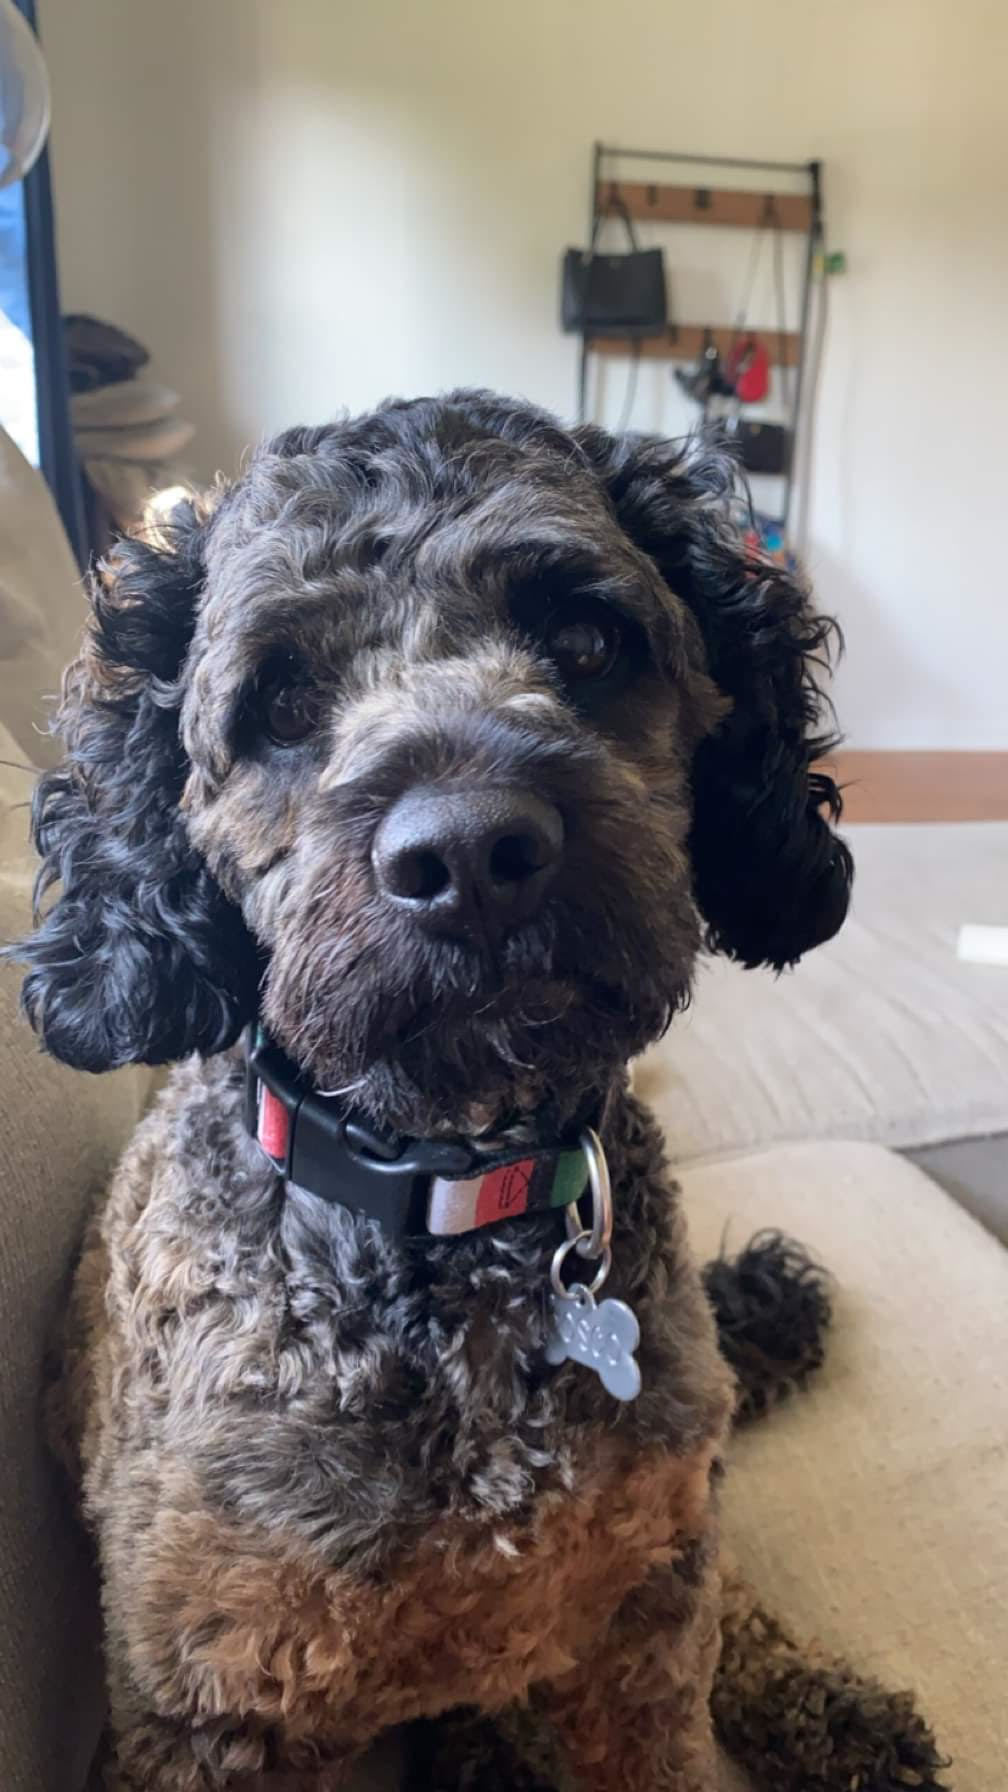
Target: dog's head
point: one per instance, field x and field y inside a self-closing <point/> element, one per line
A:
<point x="440" y="740"/>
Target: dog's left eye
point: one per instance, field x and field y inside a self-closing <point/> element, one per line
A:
<point x="583" y="647"/>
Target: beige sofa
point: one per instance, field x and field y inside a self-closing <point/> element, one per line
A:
<point x="870" y="1513"/>
<point x="63" y="1134"/>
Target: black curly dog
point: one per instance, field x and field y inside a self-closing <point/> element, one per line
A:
<point x="434" y="748"/>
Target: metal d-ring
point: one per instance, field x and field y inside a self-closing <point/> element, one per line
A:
<point x="593" y="1241"/>
<point x="582" y="1292"/>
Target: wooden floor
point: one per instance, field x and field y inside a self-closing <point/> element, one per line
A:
<point x="923" y="786"/>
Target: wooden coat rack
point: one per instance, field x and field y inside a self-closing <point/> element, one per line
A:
<point x="722" y="207"/>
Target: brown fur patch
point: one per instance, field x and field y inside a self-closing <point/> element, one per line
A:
<point x="633" y="1713"/>
<point x="218" y="1623"/>
<point x="638" y="1714"/>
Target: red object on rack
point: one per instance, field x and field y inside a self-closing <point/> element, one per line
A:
<point x="748" y="368"/>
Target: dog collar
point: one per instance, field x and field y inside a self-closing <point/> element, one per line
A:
<point x="413" y="1187"/>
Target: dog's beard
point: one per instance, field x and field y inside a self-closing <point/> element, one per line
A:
<point x="434" y="1036"/>
<point x="536" y="1055"/>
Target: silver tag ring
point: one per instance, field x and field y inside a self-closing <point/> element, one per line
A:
<point x="578" y="1290"/>
<point x="593" y="1241"/>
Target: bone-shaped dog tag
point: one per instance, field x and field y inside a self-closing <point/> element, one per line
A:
<point x="601" y="1336"/>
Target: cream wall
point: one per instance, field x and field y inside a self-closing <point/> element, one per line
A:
<point x="306" y="204"/>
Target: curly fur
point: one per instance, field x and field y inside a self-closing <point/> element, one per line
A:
<point x="772" y="1308"/>
<point x="771" y="877"/>
<point x="334" y="1484"/>
<point x="141" y="959"/>
<point x="798" y="1718"/>
<point x="159" y="941"/>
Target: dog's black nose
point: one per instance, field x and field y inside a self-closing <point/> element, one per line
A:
<point x="468" y="862"/>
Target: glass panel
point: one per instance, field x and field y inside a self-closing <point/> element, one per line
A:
<point x="18" y="400"/>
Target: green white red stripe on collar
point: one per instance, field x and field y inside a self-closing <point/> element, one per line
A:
<point x="533" y="1182"/>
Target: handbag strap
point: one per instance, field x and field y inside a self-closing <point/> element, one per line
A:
<point x="769" y="220"/>
<point x="615" y="203"/>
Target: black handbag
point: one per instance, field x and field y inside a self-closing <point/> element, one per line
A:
<point x="761" y="447"/>
<point x="614" y="295"/>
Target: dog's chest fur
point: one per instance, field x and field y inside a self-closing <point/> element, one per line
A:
<point x="320" y="1461"/>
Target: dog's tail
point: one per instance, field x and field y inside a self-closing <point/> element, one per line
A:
<point x="795" y="1717"/>
<point x="772" y="1308"/>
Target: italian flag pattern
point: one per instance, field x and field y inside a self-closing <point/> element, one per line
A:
<point x="552" y="1181"/>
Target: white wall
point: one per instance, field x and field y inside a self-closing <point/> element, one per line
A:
<point x="308" y="204"/>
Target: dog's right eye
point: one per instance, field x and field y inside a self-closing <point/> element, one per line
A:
<point x="289" y="714"/>
<point x="285" y="706"/>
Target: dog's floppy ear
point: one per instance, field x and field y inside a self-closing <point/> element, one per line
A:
<point x="771" y="877"/>
<point x="140" y="958"/>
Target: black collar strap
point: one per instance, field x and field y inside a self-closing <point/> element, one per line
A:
<point x="413" y="1187"/>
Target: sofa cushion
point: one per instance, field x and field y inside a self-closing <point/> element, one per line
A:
<point x="62" y="1134"/>
<point x="883" y="1034"/>
<point x="870" y="1511"/>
